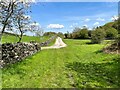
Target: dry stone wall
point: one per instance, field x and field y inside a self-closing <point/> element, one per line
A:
<point x="46" y="43"/>
<point x="16" y="52"/>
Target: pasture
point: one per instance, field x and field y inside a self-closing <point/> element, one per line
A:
<point x="80" y="64"/>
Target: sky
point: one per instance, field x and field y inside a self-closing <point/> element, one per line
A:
<point x="64" y="16"/>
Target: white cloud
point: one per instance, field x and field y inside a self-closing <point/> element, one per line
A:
<point x="96" y="23"/>
<point x="71" y="26"/>
<point x="55" y="26"/>
<point x="87" y="20"/>
<point x="114" y="18"/>
<point x="100" y="19"/>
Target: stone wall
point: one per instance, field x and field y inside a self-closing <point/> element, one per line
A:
<point x="46" y="43"/>
<point x="16" y="52"/>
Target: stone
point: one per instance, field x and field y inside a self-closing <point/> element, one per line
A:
<point x="15" y="52"/>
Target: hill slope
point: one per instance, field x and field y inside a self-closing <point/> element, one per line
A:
<point x="8" y="38"/>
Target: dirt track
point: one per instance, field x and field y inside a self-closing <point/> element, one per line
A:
<point x="58" y="44"/>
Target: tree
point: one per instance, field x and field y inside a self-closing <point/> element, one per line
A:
<point x="60" y="34"/>
<point x="97" y="36"/>
<point x="37" y="29"/>
<point x="39" y="32"/>
<point x="22" y="25"/>
<point x="6" y="12"/>
<point x="68" y="35"/>
<point x="8" y="9"/>
<point x="79" y="33"/>
<point x="21" y="20"/>
<point x="89" y="33"/>
<point x="75" y="33"/>
<point x="111" y="33"/>
<point x="83" y="34"/>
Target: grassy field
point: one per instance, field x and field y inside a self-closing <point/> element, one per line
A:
<point x="78" y="65"/>
<point x="11" y="38"/>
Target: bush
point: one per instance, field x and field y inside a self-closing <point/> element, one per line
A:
<point x="97" y="36"/>
<point x="118" y="39"/>
<point x="111" y="33"/>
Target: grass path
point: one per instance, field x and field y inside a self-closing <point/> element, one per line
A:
<point x="77" y="65"/>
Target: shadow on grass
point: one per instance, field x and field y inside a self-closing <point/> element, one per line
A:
<point x="99" y="51"/>
<point x="96" y="74"/>
<point x="89" y="43"/>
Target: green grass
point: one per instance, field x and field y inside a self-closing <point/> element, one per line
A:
<point x="11" y="38"/>
<point x="77" y="65"/>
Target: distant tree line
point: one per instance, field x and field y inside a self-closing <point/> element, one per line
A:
<point x="97" y="35"/>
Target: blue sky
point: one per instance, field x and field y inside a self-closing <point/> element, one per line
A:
<point x="64" y="16"/>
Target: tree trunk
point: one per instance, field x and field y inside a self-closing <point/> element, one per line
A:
<point x="0" y="38"/>
<point x="8" y="16"/>
<point x="20" y="38"/>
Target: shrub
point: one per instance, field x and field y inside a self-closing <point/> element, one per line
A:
<point x="97" y="36"/>
<point x="111" y="32"/>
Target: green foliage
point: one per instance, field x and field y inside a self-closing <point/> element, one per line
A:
<point x="75" y="34"/>
<point x="49" y="34"/>
<point x="115" y="25"/>
<point x="78" y="65"/>
<point x="60" y="34"/>
<point x="89" y="33"/>
<point x="68" y="35"/>
<point x="84" y="33"/>
<point x="111" y="33"/>
<point x="79" y="33"/>
<point x="118" y="40"/>
<point x="98" y="36"/>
